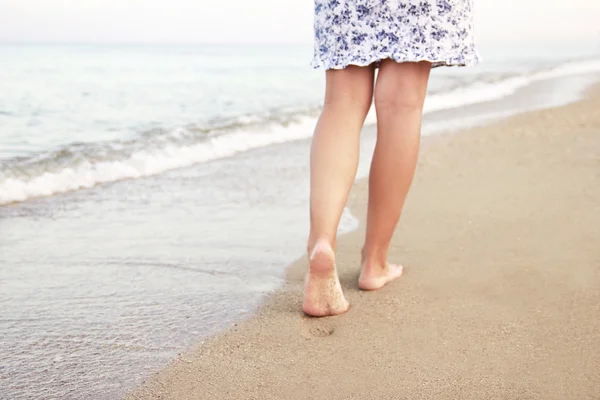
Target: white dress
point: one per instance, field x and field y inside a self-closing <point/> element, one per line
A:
<point x="362" y="32"/>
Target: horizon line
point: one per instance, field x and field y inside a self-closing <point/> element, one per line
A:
<point x="149" y="43"/>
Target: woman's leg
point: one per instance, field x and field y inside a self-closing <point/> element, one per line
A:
<point x="333" y="164"/>
<point x="399" y="95"/>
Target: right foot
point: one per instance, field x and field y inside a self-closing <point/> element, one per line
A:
<point x="375" y="277"/>
<point x="323" y="294"/>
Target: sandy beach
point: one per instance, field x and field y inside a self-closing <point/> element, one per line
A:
<point x="500" y="239"/>
<point x="501" y="244"/>
<point x="500" y="300"/>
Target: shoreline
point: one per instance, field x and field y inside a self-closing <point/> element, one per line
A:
<point x="278" y="340"/>
<point x="495" y="95"/>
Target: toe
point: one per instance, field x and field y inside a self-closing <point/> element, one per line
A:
<point x="396" y="271"/>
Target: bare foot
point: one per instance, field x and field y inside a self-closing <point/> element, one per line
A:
<point x="323" y="294"/>
<point x="375" y="277"/>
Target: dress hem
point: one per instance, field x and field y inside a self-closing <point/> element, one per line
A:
<point x="437" y="62"/>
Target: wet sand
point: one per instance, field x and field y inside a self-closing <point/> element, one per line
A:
<point x="500" y="239"/>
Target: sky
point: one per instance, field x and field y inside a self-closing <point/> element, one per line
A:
<point x="270" y="21"/>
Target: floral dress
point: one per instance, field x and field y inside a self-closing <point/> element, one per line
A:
<point x="362" y="32"/>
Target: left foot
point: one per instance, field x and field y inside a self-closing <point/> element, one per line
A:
<point x="323" y="294"/>
<point x="373" y="277"/>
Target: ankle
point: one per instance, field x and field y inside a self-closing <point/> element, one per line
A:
<point x="312" y="242"/>
<point x="374" y="257"/>
<point x="321" y="260"/>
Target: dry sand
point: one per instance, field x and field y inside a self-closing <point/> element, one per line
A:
<point x="501" y="297"/>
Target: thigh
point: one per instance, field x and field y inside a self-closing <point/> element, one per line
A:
<point x="352" y="86"/>
<point x="401" y="84"/>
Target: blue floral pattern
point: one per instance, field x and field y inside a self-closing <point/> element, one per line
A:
<point x="362" y="32"/>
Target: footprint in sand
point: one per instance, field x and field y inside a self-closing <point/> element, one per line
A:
<point x="312" y="329"/>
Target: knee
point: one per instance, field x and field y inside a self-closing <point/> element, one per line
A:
<point x="354" y="103"/>
<point x="395" y="98"/>
<point x="397" y="102"/>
